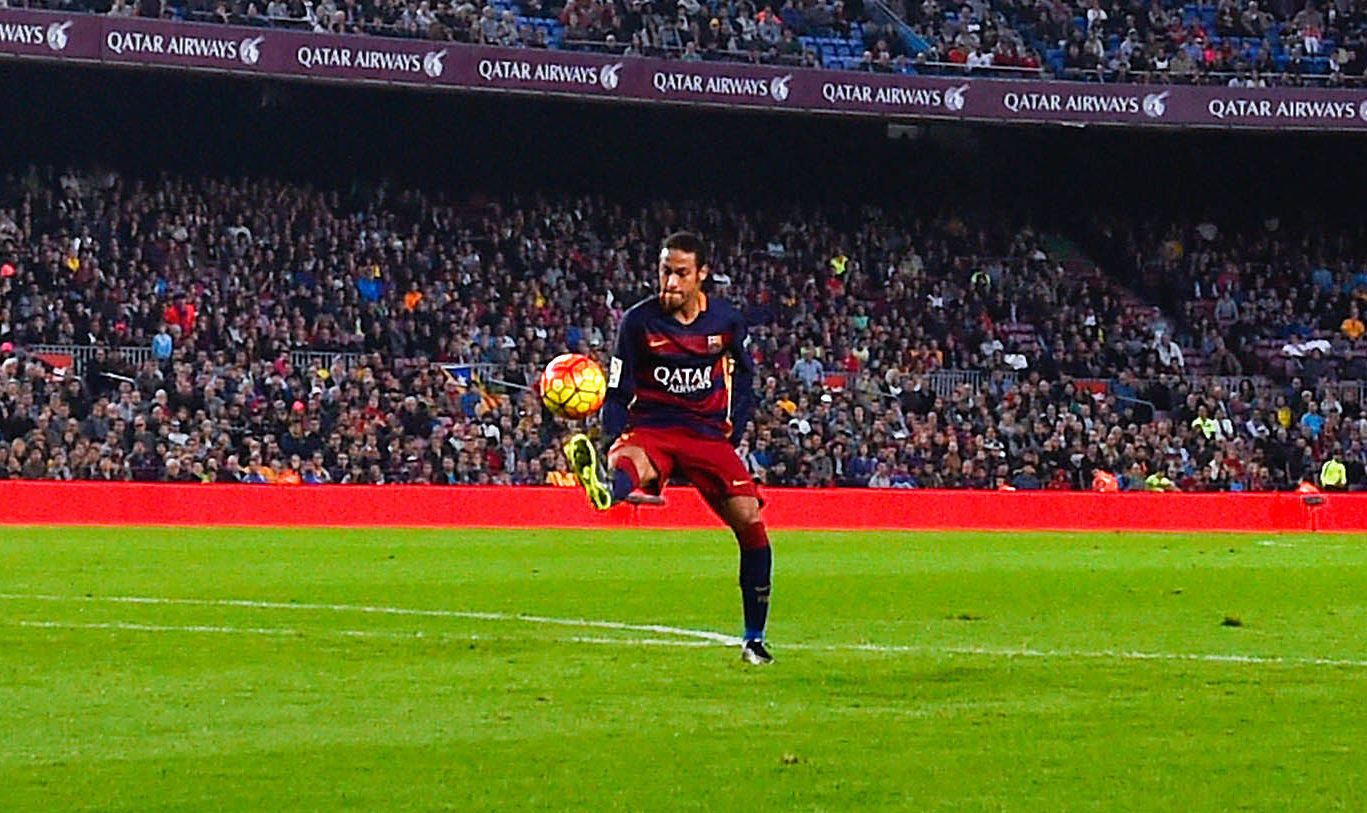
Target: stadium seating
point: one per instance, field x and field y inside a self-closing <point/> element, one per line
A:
<point x="389" y="343"/>
<point x="1246" y="48"/>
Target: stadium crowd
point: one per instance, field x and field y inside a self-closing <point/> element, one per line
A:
<point x="1240" y="43"/>
<point x="915" y="349"/>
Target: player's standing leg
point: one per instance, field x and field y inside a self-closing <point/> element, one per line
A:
<point x="756" y="571"/>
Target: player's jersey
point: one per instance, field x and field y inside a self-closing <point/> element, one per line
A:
<point x="664" y="374"/>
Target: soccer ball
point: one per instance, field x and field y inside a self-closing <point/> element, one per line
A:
<point x="572" y="386"/>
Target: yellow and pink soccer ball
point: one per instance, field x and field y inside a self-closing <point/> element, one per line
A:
<point x="572" y="386"/>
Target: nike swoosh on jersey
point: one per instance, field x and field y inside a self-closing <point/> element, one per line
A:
<point x="739" y="482"/>
<point x="660" y="343"/>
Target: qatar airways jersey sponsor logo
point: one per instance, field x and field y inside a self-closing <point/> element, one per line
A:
<point x="431" y="64"/>
<point x="53" y="35"/>
<point x="1284" y="109"/>
<point x="1030" y="102"/>
<point x="245" y="51"/>
<point x="555" y="73"/>
<point x="683" y="380"/>
<point x="838" y="93"/>
<point x="754" y="87"/>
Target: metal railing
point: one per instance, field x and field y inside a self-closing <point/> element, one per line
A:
<point x="960" y="69"/>
<point x="1168" y="77"/>
<point x="301" y="359"/>
<point x="82" y="354"/>
<point x="664" y="51"/>
<point x="944" y="383"/>
<point x="882" y="14"/>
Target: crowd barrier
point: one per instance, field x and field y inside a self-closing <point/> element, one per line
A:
<point x="81" y="503"/>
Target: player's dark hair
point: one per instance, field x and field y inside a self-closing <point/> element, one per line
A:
<point x="688" y="243"/>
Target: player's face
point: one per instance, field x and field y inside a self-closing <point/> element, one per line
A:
<point x="680" y="279"/>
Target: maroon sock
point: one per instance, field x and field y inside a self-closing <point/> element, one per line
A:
<point x="753" y="536"/>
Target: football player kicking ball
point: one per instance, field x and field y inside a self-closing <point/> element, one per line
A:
<point x="680" y="389"/>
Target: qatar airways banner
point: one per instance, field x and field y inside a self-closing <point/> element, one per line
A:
<point x="328" y="57"/>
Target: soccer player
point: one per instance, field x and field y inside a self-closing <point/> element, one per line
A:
<point x="680" y="390"/>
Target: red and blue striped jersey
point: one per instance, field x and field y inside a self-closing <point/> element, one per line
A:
<point x="697" y="376"/>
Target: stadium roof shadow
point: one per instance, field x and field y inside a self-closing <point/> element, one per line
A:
<point x="147" y="122"/>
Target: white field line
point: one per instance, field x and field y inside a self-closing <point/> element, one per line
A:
<point x="715" y="637"/>
<point x="692" y="638"/>
<point x="1112" y="654"/>
<point x="123" y="625"/>
<point x="285" y="632"/>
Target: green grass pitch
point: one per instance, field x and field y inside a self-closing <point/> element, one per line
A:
<point x="272" y="670"/>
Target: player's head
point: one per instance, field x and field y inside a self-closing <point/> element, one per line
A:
<point x="683" y="267"/>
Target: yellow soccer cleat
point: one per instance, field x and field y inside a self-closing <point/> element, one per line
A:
<point x="583" y="458"/>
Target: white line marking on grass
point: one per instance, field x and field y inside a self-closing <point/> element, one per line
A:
<point x="714" y="637"/>
<point x="1111" y="654"/>
<point x="285" y="632"/>
<point x="705" y="635"/>
<point x="123" y="625"/>
<point x="693" y="638"/>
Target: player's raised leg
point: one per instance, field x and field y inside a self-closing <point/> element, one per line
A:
<point x="629" y="468"/>
<point x="741" y="513"/>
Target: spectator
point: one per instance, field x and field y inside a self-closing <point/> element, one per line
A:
<point x="807" y="369"/>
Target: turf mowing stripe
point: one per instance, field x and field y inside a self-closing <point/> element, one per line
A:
<point x="892" y="649"/>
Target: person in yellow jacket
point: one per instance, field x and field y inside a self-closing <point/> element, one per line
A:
<point x="839" y="263"/>
<point x="1334" y="475"/>
<point x="1205" y="423"/>
<point x="1160" y="481"/>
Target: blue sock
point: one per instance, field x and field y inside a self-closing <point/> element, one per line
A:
<point x="756" y="568"/>
<point x="622" y="484"/>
